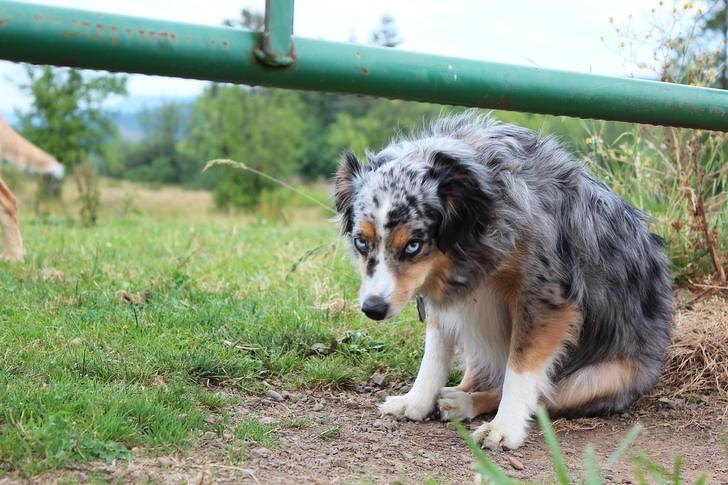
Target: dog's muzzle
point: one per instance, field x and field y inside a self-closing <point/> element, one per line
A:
<point x="375" y="307"/>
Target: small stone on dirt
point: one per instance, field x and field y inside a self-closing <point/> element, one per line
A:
<point x="319" y="406"/>
<point x="320" y="349"/>
<point x="209" y="435"/>
<point x="166" y="461"/>
<point x="267" y="420"/>
<point x="76" y="341"/>
<point x="273" y="395"/>
<point x="378" y="378"/>
<point x="676" y="403"/>
<point x="259" y="453"/>
<point x="515" y="463"/>
<point x="212" y="419"/>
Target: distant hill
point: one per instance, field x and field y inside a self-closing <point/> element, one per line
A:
<point x="137" y="103"/>
<point x="125" y="113"/>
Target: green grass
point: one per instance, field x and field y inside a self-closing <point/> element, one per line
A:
<point x="646" y="471"/>
<point x="331" y="432"/>
<point x="253" y="431"/>
<point x="86" y="375"/>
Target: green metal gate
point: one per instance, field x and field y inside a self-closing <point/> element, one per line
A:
<point x="67" y="37"/>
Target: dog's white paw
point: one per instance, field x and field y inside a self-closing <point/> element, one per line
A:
<point x="455" y="405"/>
<point x="496" y="435"/>
<point x="406" y="406"/>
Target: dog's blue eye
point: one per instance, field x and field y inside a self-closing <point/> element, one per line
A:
<point x="361" y="245"/>
<point x="413" y="247"/>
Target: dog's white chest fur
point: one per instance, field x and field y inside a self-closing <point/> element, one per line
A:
<point x="480" y="328"/>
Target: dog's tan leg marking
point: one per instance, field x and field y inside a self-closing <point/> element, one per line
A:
<point x="538" y="334"/>
<point x="419" y="402"/>
<point x="12" y="240"/>
<point x="535" y="344"/>
<point x="455" y="404"/>
<point x="591" y="384"/>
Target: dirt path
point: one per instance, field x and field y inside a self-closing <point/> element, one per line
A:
<point x="339" y="437"/>
<point x="342" y="439"/>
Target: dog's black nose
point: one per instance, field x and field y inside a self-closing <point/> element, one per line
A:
<point x="375" y="307"/>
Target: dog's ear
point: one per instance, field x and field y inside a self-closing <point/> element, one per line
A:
<point x="349" y="169"/>
<point x="465" y="206"/>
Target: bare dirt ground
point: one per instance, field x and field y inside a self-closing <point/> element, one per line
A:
<point x="339" y="437"/>
<point x="348" y="442"/>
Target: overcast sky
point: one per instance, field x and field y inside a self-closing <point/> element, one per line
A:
<point x="561" y="34"/>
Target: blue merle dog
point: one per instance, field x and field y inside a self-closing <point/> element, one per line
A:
<point x="548" y="285"/>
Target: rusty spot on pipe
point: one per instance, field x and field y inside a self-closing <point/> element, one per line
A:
<point x="225" y="44"/>
<point x="100" y="26"/>
<point x="86" y="24"/>
<point x="212" y="42"/>
<point x="364" y="71"/>
<point x="37" y="17"/>
<point x="113" y="28"/>
<point x="69" y="34"/>
<point x="4" y="21"/>
<point x="141" y="33"/>
<point x="114" y="40"/>
<point x="502" y="103"/>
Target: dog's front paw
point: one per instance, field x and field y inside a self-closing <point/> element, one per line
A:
<point x="406" y="406"/>
<point x="455" y="405"/>
<point x="496" y="435"/>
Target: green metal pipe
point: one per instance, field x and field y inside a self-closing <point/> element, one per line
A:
<point x="51" y="35"/>
<point x="277" y="45"/>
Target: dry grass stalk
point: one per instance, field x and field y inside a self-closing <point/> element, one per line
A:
<point x="697" y="360"/>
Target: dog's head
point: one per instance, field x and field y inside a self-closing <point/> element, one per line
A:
<point x="406" y="217"/>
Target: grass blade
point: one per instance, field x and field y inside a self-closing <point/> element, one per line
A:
<point x="242" y="166"/>
<point x="553" y="445"/>
<point x="677" y="468"/>
<point x="485" y="466"/>
<point x="623" y="445"/>
<point x="591" y="468"/>
<point x="657" y="472"/>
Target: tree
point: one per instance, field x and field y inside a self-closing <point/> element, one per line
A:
<point x="157" y="158"/>
<point x="249" y="20"/>
<point x="716" y="25"/>
<point x="263" y="128"/>
<point x="386" y="34"/>
<point x="66" y="116"/>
